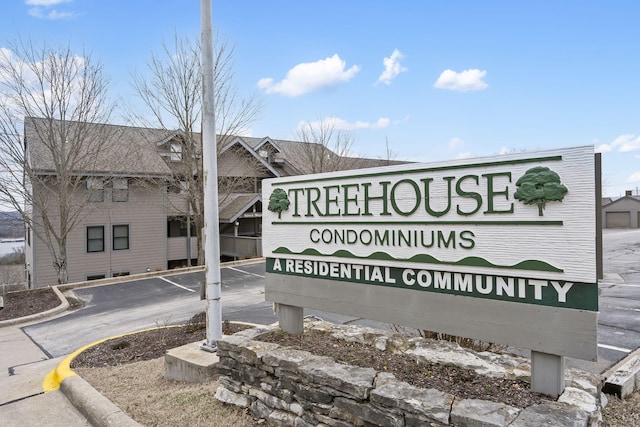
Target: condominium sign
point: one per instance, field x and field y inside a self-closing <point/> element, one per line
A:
<point x="475" y="246"/>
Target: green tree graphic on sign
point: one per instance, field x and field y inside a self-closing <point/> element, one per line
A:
<point x="538" y="186"/>
<point x="278" y="201"/>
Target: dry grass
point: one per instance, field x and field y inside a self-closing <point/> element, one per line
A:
<point x="622" y="413"/>
<point x="141" y="390"/>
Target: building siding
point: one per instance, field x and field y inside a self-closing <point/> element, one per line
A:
<point x="144" y="213"/>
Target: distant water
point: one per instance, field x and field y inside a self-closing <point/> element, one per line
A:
<point x="7" y="247"/>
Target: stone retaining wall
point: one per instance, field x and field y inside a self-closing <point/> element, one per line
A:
<point x="296" y="388"/>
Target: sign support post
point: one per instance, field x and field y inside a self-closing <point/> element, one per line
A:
<point x="547" y="373"/>
<point x="291" y="318"/>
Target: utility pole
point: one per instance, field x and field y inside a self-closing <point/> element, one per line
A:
<point x="210" y="172"/>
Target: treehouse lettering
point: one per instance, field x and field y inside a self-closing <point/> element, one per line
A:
<point x="406" y="196"/>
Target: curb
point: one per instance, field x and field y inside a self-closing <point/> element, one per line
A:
<point x="99" y="410"/>
<point x="64" y="306"/>
<point x="623" y="378"/>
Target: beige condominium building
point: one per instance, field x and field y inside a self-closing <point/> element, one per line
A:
<point x="131" y="190"/>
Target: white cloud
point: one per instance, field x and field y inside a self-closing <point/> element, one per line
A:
<point x="42" y="9"/>
<point x="465" y="155"/>
<point x="392" y="67"/>
<point x="36" y="80"/>
<point x="38" y="12"/>
<point x="337" y="123"/>
<point x="45" y="3"/>
<point x="634" y="177"/>
<point x="455" y="142"/>
<point x="604" y="148"/>
<point x="626" y="143"/>
<point x="503" y="151"/>
<point x="310" y="76"/>
<point x="465" y="81"/>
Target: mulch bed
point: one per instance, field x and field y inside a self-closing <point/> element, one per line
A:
<point x="147" y="345"/>
<point x="24" y="303"/>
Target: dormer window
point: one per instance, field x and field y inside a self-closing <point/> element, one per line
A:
<point x="120" y="190"/>
<point x="95" y="187"/>
<point x="176" y="152"/>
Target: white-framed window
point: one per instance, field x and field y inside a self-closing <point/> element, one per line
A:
<point x="95" y="187"/>
<point x="120" y="190"/>
<point x="120" y="237"/>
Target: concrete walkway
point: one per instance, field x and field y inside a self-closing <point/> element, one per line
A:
<point x="23" y="367"/>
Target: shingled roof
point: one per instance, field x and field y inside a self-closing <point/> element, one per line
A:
<point x="134" y="151"/>
<point x="101" y="148"/>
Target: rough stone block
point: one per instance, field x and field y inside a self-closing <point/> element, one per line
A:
<point x="289" y="359"/>
<point x="300" y="422"/>
<point x="352" y="380"/>
<point x="314" y="394"/>
<point x="231" y="343"/>
<point x="229" y="384"/>
<point x="260" y="410"/>
<point x="458" y="356"/>
<point x="580" y="398"/>
<point x="551" y="414"/>
<point x="281" y="418"/>
<point x="237" y="399"/>
<point x="430" y="403"/>
<point x="275" y="403"/>
<point x="369" y="413"/>
<point x="482" y="413"/>
<point x="332" y="422"/>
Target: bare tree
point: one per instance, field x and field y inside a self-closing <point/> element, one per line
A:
<point x="390" y="155"/>
<point x="173" y="95"/>
<point x="326" y="148"/>
<point x="53" y="95"/>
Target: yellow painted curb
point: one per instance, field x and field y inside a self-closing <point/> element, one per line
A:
<point x="53" y="379"/>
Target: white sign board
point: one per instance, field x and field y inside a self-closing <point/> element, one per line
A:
<point x="510" y="240"/>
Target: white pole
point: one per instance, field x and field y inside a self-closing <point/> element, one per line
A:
<point x="210" y="172"/>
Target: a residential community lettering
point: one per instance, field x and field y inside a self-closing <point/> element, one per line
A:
<point x="515" y="289"/>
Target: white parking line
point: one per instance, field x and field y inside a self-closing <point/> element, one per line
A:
<point x="621" y="308"/>
<point x="175" y="284"/>
<point x="613" y="347"/>
<point x="245" y="272"/>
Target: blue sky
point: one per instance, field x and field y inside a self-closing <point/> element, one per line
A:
<point x="438" y="80"/>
